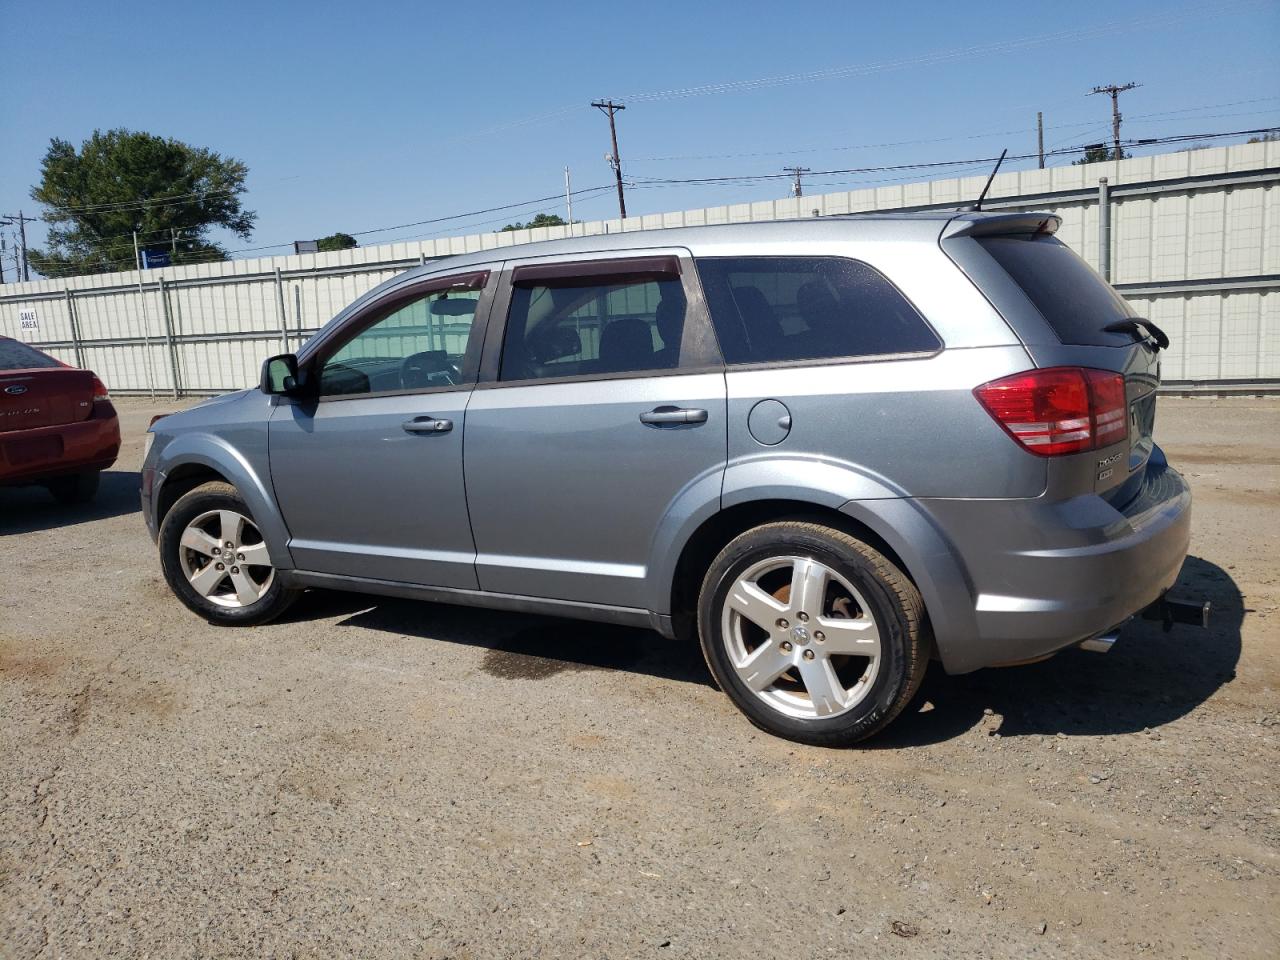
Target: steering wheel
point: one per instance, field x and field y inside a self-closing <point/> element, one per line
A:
<point x="430" y="368"/>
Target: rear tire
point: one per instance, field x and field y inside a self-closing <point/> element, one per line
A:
<point x="813" y="634"/>
<point x="77" y="488"/>
<point x="216" y="562"/>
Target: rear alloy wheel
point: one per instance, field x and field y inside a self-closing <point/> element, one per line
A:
<point x="216" y="560"/>
<point x="814" y="635"/>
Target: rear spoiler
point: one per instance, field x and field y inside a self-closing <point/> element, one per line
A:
<point x="994" y="224"/>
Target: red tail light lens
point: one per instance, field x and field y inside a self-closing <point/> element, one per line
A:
<point x="1059" y="410"/>
<point x="100" y="391"/>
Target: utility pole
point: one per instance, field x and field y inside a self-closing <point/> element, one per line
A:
<point x="2" y="250"/>
<point x="1040" y="137"/>
<point x="610" y="108"/>
<point x="22" y="222"/>
<point x="796" y="189"/>
<point x="568" y="199"/>
<point x="1115" y="90"/>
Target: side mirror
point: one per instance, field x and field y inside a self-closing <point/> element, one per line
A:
<point x="280" y="375"/>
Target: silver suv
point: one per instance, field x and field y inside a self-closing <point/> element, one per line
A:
<point x="829" y="449"/>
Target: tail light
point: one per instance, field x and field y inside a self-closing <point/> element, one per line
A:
<point x="100" y="391"/>
<point x="1059" y="410"/>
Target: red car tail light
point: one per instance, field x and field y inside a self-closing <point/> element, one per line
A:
<point x="100" y="391"/>
<point x="1058" y="410"/>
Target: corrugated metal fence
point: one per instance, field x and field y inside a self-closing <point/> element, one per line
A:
<point x="1191" y="238"/>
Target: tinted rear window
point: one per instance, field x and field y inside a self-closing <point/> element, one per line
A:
<point x="806" y="308"/>
<point x="15" y="355"/>
<point x="1074" y="300"/>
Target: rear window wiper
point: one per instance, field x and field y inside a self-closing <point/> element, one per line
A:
<point x="1139" y="325"/>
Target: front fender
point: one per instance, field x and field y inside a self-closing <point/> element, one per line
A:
<point x="216" y="453"/>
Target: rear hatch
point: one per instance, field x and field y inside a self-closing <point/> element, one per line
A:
<point x="1082" y="323"/>
<point x="38" y="391"/>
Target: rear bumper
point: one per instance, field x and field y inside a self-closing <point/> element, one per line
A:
<point x="1045" y="576"/>
<point x="30" y="456"/>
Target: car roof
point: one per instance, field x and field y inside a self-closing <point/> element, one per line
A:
<point x="921" y="226"/>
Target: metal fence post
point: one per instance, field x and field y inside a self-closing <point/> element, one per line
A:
<point x="168" y="333"/>
<point x="297" y="310"/>
<point x="1104" y="230"/>
<point x="75" y="328"/>
<point x="146" y="335"/>
<point x="284" y="322"/>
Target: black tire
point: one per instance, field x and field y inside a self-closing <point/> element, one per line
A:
<point x="77" y="488"/>
<point x="275" y="600"/>
<point x="891" y="598"/>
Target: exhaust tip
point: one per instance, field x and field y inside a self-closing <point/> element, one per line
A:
<point x="1101" y="643"/>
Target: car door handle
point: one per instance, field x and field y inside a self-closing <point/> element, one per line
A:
<point x="665" y="415"/>
<point x="427" y="425"/>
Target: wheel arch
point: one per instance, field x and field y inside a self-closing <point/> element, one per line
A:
<point x="714" y="533"/>
<point x="193" y="459"/>
<point x="897" y="528"/>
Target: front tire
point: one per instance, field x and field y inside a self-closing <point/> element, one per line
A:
<point x="813" y="634"/>
<point x="215" y="559"/>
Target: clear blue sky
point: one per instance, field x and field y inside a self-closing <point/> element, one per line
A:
<point x="353" y="116"/>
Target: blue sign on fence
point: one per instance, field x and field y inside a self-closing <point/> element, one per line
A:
<point x="154" y="258"/>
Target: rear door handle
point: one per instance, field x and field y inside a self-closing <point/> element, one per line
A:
<point x="669" y="414"/>
<point x="427" y="425"/>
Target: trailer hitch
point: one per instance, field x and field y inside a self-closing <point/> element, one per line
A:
<point x="1169" y="611"/>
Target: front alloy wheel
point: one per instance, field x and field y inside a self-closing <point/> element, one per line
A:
<point x="216" y="560"/>
<point x="225" y="559"/>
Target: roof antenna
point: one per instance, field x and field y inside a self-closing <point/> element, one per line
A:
<point x="983" y="195"/>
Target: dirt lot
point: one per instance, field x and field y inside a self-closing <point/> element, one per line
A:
<point x="394" y="779"/>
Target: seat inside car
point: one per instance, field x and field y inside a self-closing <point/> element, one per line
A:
<point x="760" y="324"/>
<point x="669" y="320"/>
<point x="624" y="345"/>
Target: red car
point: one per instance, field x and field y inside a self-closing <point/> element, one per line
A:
<point x="57" y="425"/>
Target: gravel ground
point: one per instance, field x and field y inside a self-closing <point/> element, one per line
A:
<point x="385" y="778"/>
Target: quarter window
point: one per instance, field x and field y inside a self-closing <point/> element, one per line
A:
<point x="805" y="308"/>
<point x="593" y="325"/>
<point x="418" y="346"/>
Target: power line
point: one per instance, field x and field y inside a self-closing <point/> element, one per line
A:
<point x="946" y="163"/>
<point x="400" y="226"/>
<point x="1144" y="23"/>
<point x="1000" y="46"/>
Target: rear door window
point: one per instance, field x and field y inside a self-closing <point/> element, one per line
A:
<point x="595" y="324"/>
<point x="769" y="309"/>
<point x="15" y="355"/>
<point x="1072" y="298"/>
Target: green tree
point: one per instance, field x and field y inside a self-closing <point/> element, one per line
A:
<point x="541" y="220"/>
<point x="336" y="241"/>
<point x="124" y="181"/>
<point x="1099" y="153"/>
<point x="1265" y="138"/>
